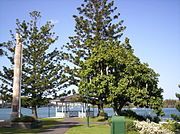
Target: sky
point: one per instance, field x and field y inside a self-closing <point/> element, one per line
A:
<point x="153" y="27"/>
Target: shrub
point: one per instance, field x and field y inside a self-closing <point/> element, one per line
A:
<point x="175" y="117"/>
<point x="151" y="128"/>
<point x="109" y="121"/>
<point x="24" y="119"/>
<point x="156" y="119"/>
<point x="130" y="126"/>
<point x="172" y="125"/>
<point x="132" y="114"/>
<point x="103" y="114"/>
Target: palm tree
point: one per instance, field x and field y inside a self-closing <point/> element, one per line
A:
<point x="16" y="112"/>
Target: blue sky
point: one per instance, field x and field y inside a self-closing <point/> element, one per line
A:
<point x="153" y="27"/>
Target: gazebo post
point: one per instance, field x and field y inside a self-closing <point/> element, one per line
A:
<point x="93" y="110"/>
<point x="86" y="108"/>
<point x="62" y="110"/>
<point x="56" y="108"/>
<point x="66" y="108"/>
<point x="82" y="109"/>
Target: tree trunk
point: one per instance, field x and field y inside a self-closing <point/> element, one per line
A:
<point x="16" y="112"/>
<point x="100" y="108"/>
<point x="34" y="112"/>
<point x="118" y="110"/>
<point x="118" y="106"/>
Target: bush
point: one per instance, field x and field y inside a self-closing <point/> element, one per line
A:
<point x="177" y="126"/>
<point x="104" y="115"/>
<point x="130" y="126"/>
<point x="151" y="128"/>
<point x="24" y="119"/>
<point x="156" y="119"/>
<point x="175" y="117"/>
<point x="172" y="125"/>
<point x="131" y="114"/>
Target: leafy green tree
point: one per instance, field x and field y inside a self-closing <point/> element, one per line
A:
<point x="115" y="72"/>
<point x="97" y="21"/>
<point x="42" y="72"/>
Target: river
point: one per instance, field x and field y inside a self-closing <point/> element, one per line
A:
<point x="50" y="112"/>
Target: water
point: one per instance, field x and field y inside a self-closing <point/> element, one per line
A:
<point x="50" y="112"/>
<point x="42" y="112"/>
<point x="149" y="112"/>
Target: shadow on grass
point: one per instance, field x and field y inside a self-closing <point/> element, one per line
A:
<point x="51" y="125"/>
<point x="93" y="119"/>
<point x="62" y="128"/>
<point x="48" y="126"/>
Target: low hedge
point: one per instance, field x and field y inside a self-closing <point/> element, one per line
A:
<point x="24" y="119"/>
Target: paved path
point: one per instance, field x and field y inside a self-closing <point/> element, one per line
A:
<point x="62" y="127"/>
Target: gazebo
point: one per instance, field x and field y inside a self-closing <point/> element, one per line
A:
<point x="71" y="106"/>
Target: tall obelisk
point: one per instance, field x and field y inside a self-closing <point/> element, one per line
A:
<point x="16" y="102"/>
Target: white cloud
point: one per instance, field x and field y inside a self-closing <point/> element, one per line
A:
<point x="54" y="21"/>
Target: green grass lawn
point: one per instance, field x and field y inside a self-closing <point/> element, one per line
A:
<point x="93" y="129"/>
<point x="52" y="122"/>
<point x="95" y="119"/>
<point x="47" y="123"/>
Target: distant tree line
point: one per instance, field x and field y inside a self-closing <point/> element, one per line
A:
<point x="169" y="103"/>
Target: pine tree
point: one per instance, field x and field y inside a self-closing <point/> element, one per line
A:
<point x="42" y="72"/>
<point x="97" y="21"/>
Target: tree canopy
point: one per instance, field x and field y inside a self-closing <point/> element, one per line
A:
<point x="106" y="70"/>
<point x="42" y="72"/>
<point x="115" y="75"/>
<point x="97" y="21"/>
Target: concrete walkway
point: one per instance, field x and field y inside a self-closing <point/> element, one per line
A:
<point x="62" y="127"/>
<point x="65" y="125"/>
